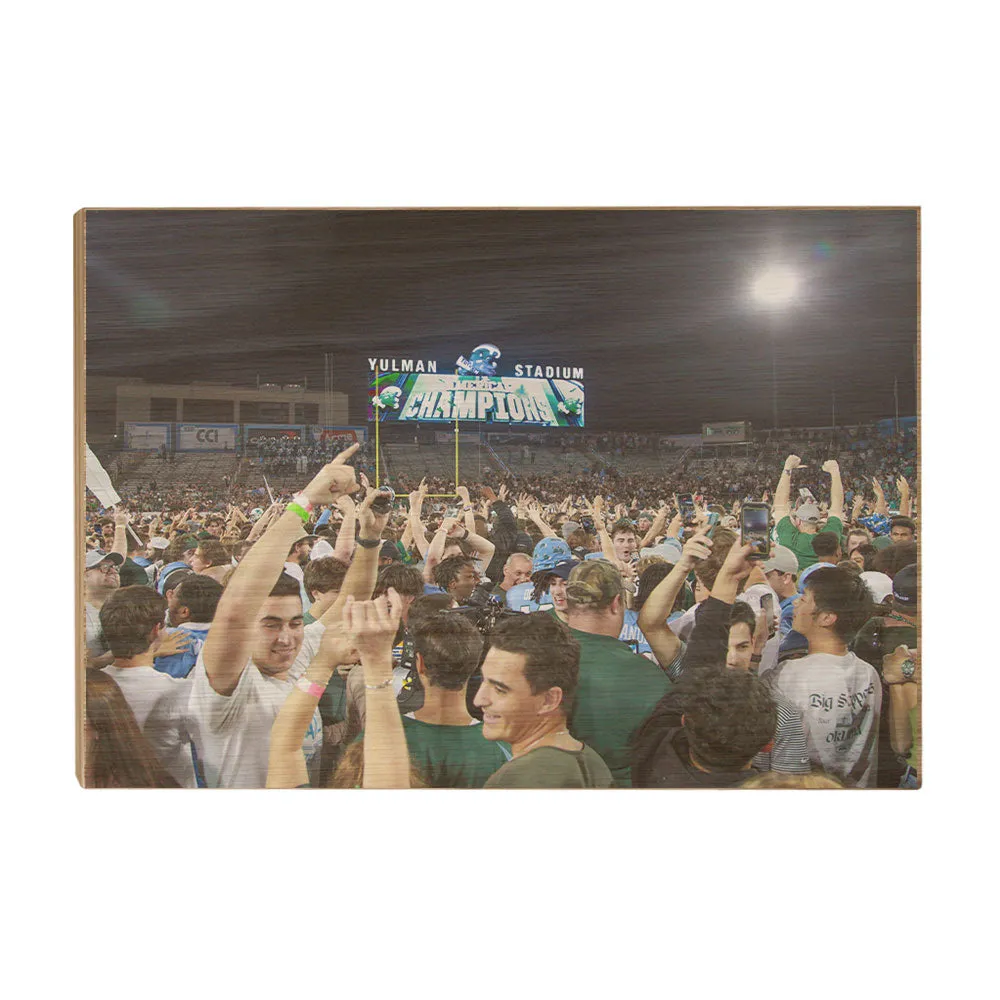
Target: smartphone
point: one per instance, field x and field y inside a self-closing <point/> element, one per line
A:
<point x="754" y="520"/>
<point x="713" y="521"/>
<point x="686" y="503"/>
<point x="767" y="606"/>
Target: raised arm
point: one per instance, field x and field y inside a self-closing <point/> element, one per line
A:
<point x="343" y="548"/>
<point x="371" y="628"/>
<point x="832" y="467"/>
<point x="655" y="528"/>
<point x="120" y="545"/>
<point x="881" y="507"/>
<point x="229" y="642"/>
<point x="783" y="491"/>
<point x="660" y="603"/>
<point x="436" y="548"/>
<point x="534" y="513"/>
<point x="417" y="526"/>
<point x="362" y="574"/>
<point x="597" y="512"/>
<point x="904" y="496"/>
<point x="286" y="763"/>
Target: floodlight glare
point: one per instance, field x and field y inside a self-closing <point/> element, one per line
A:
<point x="775" y="286"/>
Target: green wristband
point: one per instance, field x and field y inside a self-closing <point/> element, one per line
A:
<point x="300" y="512"/>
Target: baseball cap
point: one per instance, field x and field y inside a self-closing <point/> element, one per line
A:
<point x="95" y="557"/>
<point x="807" y="572"/>
<point x="174" y="571"/>
<point x="548" y="552"/>
<point x="669" y="549"/>
<point x="596" y="584"/>
<point x="808" y="512"/>
<point x="879" y="585"/>
<point x="904" y="588"/>
<point x="565" y="567"/>
<point x="784" y="560"/>
<point x="390" y="551"/>
<point x="569" y="527"/>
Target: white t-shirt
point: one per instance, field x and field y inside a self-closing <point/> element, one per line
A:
<point x="94" y="635"/>
<point x="840" y="698"/>
<point x="159" y="704"/>
<point x="232" y="733"/>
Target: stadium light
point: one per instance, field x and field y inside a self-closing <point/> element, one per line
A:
<point x="774" y="288"/>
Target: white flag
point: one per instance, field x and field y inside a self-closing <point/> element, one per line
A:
<point x="99" y="482"/>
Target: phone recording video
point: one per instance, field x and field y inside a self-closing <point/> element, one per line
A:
<point x="685" y="501"/>
<point x="754" y="521"/>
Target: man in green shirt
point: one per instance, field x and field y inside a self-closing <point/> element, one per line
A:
<point x="445" y="742"/>
<point x="796" y="531"/>
<point x="530" y="677"/>
<point x="618" y="688"/>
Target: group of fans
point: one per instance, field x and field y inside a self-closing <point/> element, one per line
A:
<point x="555" y="633"/>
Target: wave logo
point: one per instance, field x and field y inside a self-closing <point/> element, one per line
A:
<point x="482" y="361"/>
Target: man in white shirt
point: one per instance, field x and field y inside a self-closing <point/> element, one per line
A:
<point x="100" y="581"/>
<point x="133" y="621"/>
<point x="241" y="678"/>
<point x="838" y="694"/>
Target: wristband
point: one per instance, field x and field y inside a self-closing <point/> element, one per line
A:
<point x="467" y="508"/>
<point x="466" y="535"/>
<point x="303" y="501"/>
<point x="299" y="512"/>
<point x="369" y="543"/>
<point x="378" y="687"/>
<point x="310" y="688"/>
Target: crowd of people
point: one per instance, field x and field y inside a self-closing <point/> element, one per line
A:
<point x="561" y="630"/>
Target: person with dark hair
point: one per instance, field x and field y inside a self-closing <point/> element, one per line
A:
<point x="617" y="688"/>
<point x="212" y="559"/>
<point x="323" y="579"/>
<point x="190" y="609"/>
<point x="530" y="678"/>
<point x="902" y="529"/>
<point x="706" y="732"/>
<point x="863" y="556"/>
<point x="838" y="694"/>
<point x="133" y="623"/>
<point x="892" y="559"/>
<point x="728" y="633"/>
<point x="826" y="546"/>
<point x="115" y="753"/>
<point x="879" y="639"/>
<point x="241" y="677"/>
<point x="444" y="741"/>
<point x="457" y="576"/>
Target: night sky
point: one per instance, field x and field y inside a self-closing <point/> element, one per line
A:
<point x="656" y="306"/>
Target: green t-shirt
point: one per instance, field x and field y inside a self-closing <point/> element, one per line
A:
<point x="616" y="692"/>
<point x="801" y="543"/>
<point x="452" y="756"/>
<point x="550" y="767"/>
